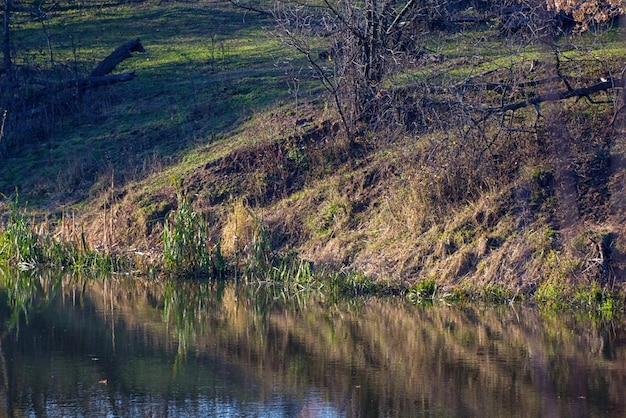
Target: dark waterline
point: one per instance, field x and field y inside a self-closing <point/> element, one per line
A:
<point x="126" y="348"/>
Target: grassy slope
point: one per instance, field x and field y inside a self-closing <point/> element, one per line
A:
<point x="213" y="110"/>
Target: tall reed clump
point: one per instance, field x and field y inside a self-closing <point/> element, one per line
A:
<point x="245" y="239"/>
<point x="72" y="249"/>
<point x="186" y="247"/>
<point x="26" y="244"/>
<point x="19" y="245"/>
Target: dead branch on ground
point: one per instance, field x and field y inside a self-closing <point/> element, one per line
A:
<point x="582" y="92"/>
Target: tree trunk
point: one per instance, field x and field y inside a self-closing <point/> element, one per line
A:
<point x="99" y="76"/>
<point x="6" y="33"/>
<point x="122" y="52"/>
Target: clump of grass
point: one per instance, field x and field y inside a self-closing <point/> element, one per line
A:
<point x="597" y="300"/>
<point x="590" y="298"/>
<point x="489" y="293"/>
<point x="497" y="293"/>
<point x="291" y="269"/>
<point x="27" y="246"/>
<point x="78" y="256"/>
<point x="296" y="275"/>
<point x="427" y="291"/>
<point x="19" y="245"/>
<point x="351" y="283"/>
<point x="245" y="239"/>
<point x="186" y="247"/>
<point x="422" y="292"/>
<point x="551" y="294"/>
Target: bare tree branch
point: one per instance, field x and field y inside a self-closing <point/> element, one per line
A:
<point x="403" y="12"/>
<point x="246" y="6"/>
<point x="561" y="95"/>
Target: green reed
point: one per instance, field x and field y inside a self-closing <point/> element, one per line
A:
<point x="27" y="244"/>
<point x="186" y="246"/>
<point x="19" y="245"/>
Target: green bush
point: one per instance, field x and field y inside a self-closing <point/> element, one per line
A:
<point x="186" y="249"/>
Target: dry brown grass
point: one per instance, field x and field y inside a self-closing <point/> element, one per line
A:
<point x="398" y="213"/>
<point x="241" y="230"/>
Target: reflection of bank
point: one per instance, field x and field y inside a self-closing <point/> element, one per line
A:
<point x="543" y="381"/>
<point x="192" y="348"/>
<point x="617" y="189"/>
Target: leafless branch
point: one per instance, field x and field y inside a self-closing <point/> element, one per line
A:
<point x="582" y="92"/>
<point x="249" y="7"/>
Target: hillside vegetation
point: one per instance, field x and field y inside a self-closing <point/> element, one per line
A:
<point x="438" y="183"/>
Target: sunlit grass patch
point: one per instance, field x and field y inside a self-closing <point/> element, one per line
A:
<point x="586" y="299"/>
<point x="186" y="91"/>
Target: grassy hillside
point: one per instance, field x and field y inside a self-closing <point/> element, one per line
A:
<point x="221" y="112"/>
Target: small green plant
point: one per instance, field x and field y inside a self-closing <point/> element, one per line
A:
<point x="422" y="291"/>
<point x="596" y="300"/>
<point x="552" y="295"/>
<point x="186" y="246"/>
<point x="352" y="283"/>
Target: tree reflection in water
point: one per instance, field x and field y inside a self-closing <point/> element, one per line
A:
<point x="130" y="347"/>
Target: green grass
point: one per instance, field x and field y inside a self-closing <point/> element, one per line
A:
<point x="18" y="243"/>
<point x="205" y="70"/>
<point x="588" y="299"/>
<point x="480" y="53"/>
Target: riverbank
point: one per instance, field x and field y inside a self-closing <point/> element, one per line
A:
<point x="228" y="127"/>
<point x="188" y="256"/>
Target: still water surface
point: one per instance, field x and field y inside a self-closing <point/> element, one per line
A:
<point x="131" y="348"/>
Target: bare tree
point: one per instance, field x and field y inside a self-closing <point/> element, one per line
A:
<point x="365" y="40"/>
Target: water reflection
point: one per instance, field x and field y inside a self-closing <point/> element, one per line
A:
<point x="128" y="347"/>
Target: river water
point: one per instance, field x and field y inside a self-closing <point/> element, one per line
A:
<point x="127" y="347"/>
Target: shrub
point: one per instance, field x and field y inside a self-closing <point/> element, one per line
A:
<point x="186" y="249"/>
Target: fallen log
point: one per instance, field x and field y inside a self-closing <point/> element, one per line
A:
<point x="120" y="54"/>
<point x="81" y="84"/>
<point x="99" y="77"/>
<point x="581" y="92"/>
